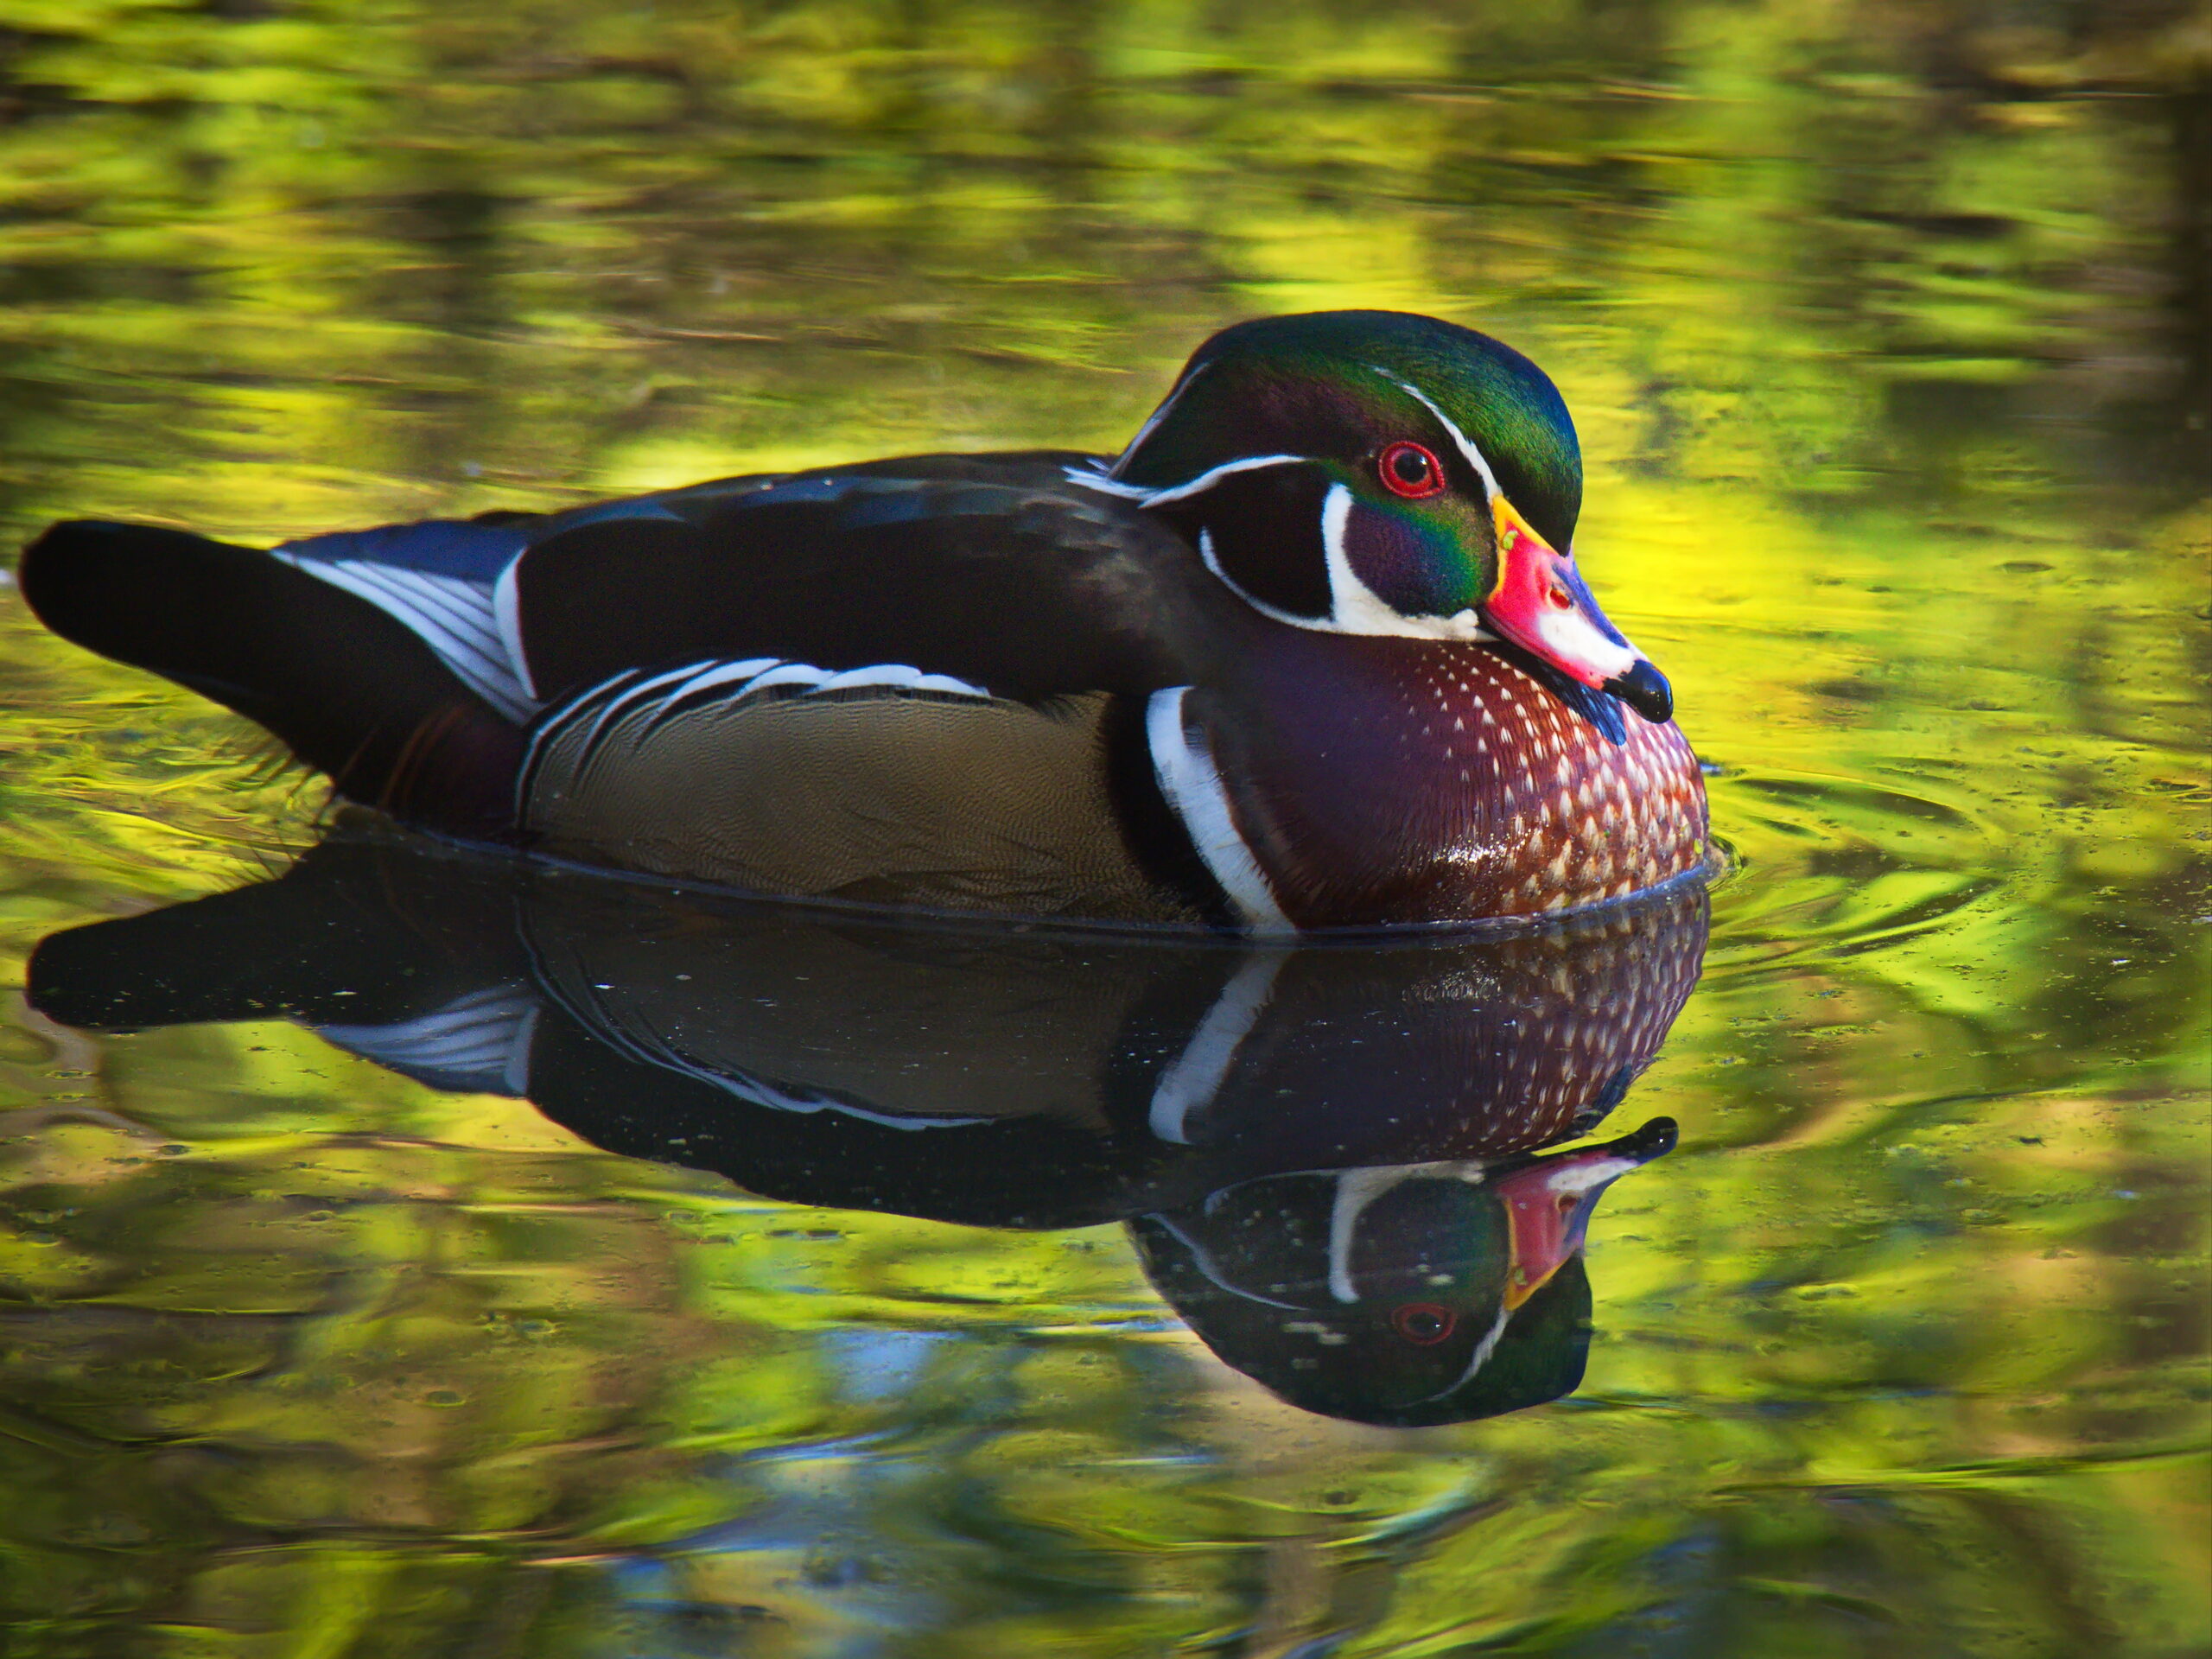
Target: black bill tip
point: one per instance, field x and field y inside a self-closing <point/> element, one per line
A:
<point x="1644" y="688"/>
<point x="1655" y="1139"/>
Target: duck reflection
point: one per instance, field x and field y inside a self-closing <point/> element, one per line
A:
<point x="1330" y="1157"/>
<point x="1397" y="1293"/>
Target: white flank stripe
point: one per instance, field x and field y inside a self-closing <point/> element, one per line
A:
<point x="1196" y="1077"/>
<point x="1188" y="777"/>
<point x="722" y="674"/>
<point x="612" y="710"/>
<point x="762" y="1094"/>
<point x="946" y="684"/>
<point x="901" y="677"/>
<point x="638" y="1039"/>
<point x="624" y="697"/>
<point x="789" y="674"/>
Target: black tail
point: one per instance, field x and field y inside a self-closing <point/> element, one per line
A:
<point x="348" y="689"/>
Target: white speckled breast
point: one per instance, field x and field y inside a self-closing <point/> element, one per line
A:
<point x="1388" y="780"/>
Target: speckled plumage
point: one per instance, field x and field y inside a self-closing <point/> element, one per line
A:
<point x="1499" y="796"/>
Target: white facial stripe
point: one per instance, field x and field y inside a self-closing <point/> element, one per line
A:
<point x="1203" y="1259"/>
<point x="1193" y="787"/>
<point x="1354" y="607"/>
<point x="1480" y="1357"/>
<point x="1105" y="485"/>
<point x="1213" y="476"/>
<point x="1144" y="496"/>
<point x="1152" y="420"/>
<point x="1467" y="444"/>
<point x="1199" y="1071"/>
<point x="1571" y="637"/>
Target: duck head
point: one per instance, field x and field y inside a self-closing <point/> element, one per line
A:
<point x="1379" y="473"/>
<point x="1401" y="1294"/>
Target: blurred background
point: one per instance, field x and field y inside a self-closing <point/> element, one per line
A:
<point x="1887" y="325"/>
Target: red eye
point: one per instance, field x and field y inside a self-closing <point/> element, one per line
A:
<point x="1409" y="470"/>
<point x="1424" y="1322"/>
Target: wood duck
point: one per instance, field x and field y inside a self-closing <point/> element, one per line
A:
<point x="1312" y="652"/>
<point x="1330" y="1158"/>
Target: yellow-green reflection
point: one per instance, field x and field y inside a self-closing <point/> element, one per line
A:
<point x="1884" y="331"/>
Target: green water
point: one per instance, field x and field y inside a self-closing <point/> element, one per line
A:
<point x="1888" y="328"/>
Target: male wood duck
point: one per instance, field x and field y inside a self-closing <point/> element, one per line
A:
<point x="1311" y="653"/>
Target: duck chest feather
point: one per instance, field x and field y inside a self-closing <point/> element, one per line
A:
<point x="1386" y="780"/>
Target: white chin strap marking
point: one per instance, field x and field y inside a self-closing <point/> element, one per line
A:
<point x="1358" y="1188"/>
<point x="1354" y="607"/>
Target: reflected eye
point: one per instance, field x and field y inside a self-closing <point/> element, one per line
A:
<point x="1409" y="470"/>
<point x="1425" y="1323"/>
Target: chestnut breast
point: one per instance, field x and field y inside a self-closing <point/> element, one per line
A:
<point x="1381" y="779"/>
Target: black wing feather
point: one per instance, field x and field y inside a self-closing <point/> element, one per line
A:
<point x="1030" y="590"/>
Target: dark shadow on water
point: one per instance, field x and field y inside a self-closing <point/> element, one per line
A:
<point x="1332" y="1159"/>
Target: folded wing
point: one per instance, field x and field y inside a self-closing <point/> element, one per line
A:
<point x="880" y="785"/>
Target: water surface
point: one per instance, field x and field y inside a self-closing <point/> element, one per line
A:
<point x="1887" y="328"/>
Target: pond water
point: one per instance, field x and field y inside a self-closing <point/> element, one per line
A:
<point x="417" y="1253"/>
